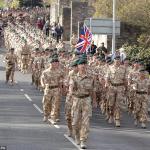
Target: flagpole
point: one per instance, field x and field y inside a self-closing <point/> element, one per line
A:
<point x="78" y="28"/>
<point x="90" y="29"/>
<point x="114" y="29"/>
<point x="91" y="24"/>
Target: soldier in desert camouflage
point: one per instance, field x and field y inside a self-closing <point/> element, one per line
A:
<point x="82" y="87"/>
<point x="51" y="81"/>
<point x="116" y="79"/>
<point x="142" y="92"/>
<point x="11" y="61"/>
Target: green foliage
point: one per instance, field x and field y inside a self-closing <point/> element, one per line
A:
<point x="14" y="4"/>
<point x="139" y="51"/>
<point x="2" y="3"/>
<point x="134" y="12"/>
<point x="132" y="51"/>
<point x="47" y="2"/>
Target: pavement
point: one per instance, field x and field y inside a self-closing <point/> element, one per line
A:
<point x="22" y="128"/>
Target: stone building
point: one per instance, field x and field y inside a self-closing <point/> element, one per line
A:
<point x="69" y="13"/>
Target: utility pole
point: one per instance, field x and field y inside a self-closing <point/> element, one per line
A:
<point x="114" y="29"/>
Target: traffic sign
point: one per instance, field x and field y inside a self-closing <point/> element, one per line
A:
<point x="102" y="26"/>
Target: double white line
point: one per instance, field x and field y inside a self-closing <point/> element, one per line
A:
<point x="50" y="120"/>
<point x="39" y="109"/>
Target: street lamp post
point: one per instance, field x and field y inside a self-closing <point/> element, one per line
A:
<point x="114" y="29"/>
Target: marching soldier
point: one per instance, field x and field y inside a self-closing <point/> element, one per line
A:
<point x="132" y="76"/>
<point x="51" y="81"/>
<point x="73" y="42"/>
<point x="82" y="89"/>
<point x="25" y="57"/>
<point x="142" y="88"/>
<point x="68" y="103"/>
<point x="116" y="81"/>
<point x="101" y="76"/>
<point x="11" y="61"/>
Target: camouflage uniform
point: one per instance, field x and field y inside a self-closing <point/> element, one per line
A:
<point x="25" y="59"/>
<point x="73" y="42"/>
<point x="81" y="108"/>
<point x="51" y="80"/>
<point x="103" y="98"/>
<point x="11" y="60"/>
<point x="132" y="77"/>
<point x="36" y="73"/>
<point x="142" y="88"/>
<point x="68" y="104"/>
<point x="116" y="78"/>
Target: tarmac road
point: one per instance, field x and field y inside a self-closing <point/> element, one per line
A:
<point x="22" y="128"/>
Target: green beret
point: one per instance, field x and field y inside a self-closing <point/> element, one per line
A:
<point x="23" y="39"/>
<point x="76" y="53"/>
<point x="37" y="49"/>
<point x="12" y="49"/>
<point x="62" y="51"/>
<point x="82" y="61"/>
<point x="51" y="60"/>
<point x="51" y="50"/>
<point x="55" y="49"/>
<point x="47" y="49"/>
<point x="73" y="64"/>
<point x="142" y="70"/>
<point x="55" y="55"/>
<point x="84" y="55"/>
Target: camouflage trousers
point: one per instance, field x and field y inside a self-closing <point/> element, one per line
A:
<point x="81" y="112"/>
<point x="103" y="100"/>
<point x="24" y="64"/>
<point x="36" y="75"/>
<point x="130" y="100"/>
<point x="10" y="73"/>
<point x="68" y="107"/>
<point x="51" y="103"/>
<point x="141" y="107"/>
<point x="115" y="100"/>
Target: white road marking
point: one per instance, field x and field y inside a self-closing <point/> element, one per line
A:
<point x="28" y="97"/>
<point x="3" y="61"/>
<point x="72" y="141"/>
<point x="52" y="122"/>
<point x="37" y="107"/>
<point x="21" y="90"/>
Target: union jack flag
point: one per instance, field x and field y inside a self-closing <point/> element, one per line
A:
<point x="85" y="40"/>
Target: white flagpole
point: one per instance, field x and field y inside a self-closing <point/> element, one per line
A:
<point x="91" y="24"/>
<point x="78" y="29"/>
<point x="90" y="28"/>
<point x="114" y="29"/>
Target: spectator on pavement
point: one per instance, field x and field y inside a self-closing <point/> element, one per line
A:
<point x="92" y="49"/>
<point x="122" y="54"/>
<point x="53" y="30"/>
<point x="39" y="24"/>
<point x="102" y="50"/>
<point x="59" y="32"/>
<point x="46" y="28"/>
